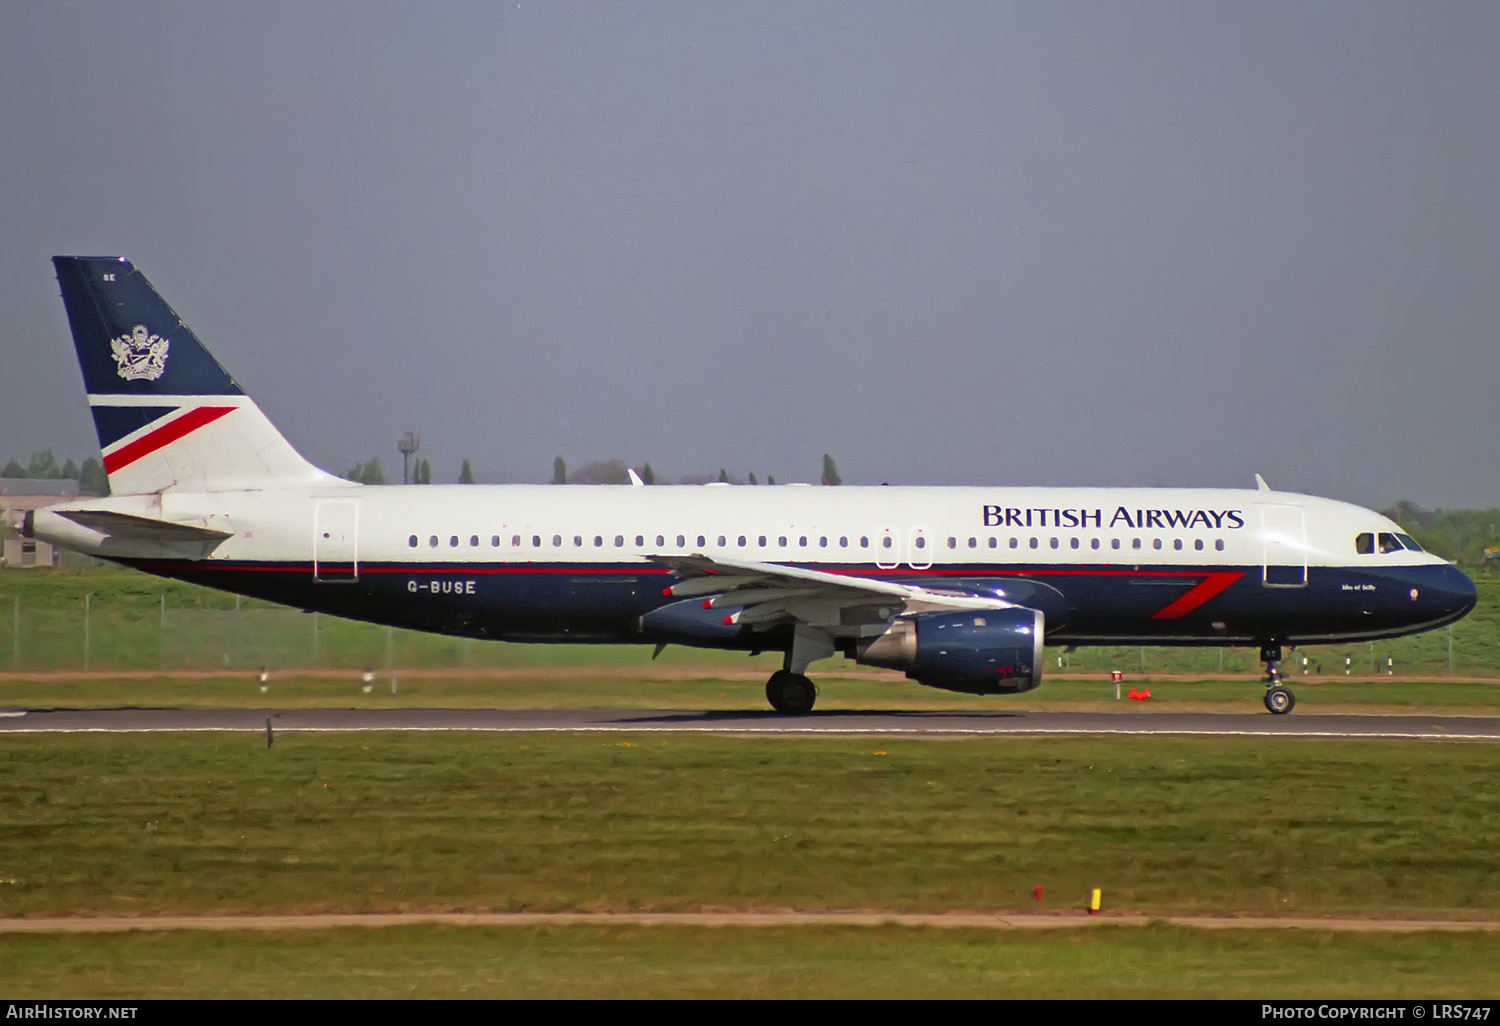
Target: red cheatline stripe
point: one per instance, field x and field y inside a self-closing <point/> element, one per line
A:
<point x="1200" y="593"/>
<point x="164" y="435"/>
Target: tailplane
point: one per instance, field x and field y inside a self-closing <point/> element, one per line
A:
<point x="168" y="416"/>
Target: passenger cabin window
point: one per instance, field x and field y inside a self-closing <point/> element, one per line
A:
<point x="473" y="541"/>
<point x="412" y="541"/>
<point x="432" y="542"/>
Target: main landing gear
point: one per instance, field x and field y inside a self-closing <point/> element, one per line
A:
<point x="789" y="691"/>
<point x="1279" y="700"/>
<point x="791" y="694"/>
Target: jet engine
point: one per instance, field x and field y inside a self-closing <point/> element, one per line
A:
<point x="984" y="652"/>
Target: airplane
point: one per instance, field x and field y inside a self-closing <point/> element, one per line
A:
<point x="959" y="587"/>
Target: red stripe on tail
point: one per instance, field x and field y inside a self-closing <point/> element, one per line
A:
<point x="164" y="435"/>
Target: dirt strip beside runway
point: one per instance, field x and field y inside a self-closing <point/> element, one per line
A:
<point x="943" y="920"/>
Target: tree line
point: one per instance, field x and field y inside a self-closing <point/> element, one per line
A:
<point x="612" y="472"/>
<point x="43" y="466"/>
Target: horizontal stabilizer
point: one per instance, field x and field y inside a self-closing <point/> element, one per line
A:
<point x="129" y="526"/>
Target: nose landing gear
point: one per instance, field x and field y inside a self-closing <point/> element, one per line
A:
<point x="1279" y="699"/>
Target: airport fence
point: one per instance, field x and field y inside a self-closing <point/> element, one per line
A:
<point x="182" y="630"/>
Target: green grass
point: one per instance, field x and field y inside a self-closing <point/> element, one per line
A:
<point x="805" y="962"/>
<point x="138" y="622"/>
<point x="150" y="823"/>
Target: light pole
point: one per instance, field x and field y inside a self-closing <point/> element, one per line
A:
<point x="406" y="445"/>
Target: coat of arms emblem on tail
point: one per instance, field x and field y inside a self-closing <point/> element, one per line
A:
<point x="141" y="355"/>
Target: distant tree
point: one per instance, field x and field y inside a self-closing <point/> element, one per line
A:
<point x="424" y="472"/>
<point x="367" y="472"/>
<point x="602" y="472"/>
<point x="13" y="469"/>
<point x="70" y="470"/>
<point x="43" y="465"/>
<point x="559" y="471"/>
<point x="1461" y="535"/>
<point x="723" y="476"/>
<point x="648" y="476"/>
<point x="830" y="472"/>
<point x="770" y="480"/>
<point x="92" y="479"/>
<point x="752" y="478"/>
<point x="465" y="475"/>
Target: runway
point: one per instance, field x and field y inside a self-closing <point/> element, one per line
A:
<point x="758" y="724"/>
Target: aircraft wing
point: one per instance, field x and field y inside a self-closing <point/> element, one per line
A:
<point x="766" y="594"/>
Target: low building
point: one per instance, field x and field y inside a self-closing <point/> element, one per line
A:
<point x="17" y="495"/>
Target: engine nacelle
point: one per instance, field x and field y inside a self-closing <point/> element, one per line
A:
<point x="985" y="652"/>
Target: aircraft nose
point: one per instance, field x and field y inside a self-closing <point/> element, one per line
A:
<point x="1452" y="594"/>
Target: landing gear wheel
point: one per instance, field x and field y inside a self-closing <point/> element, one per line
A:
<point x="790" y="694"/>
<point x="1279" y="700"/>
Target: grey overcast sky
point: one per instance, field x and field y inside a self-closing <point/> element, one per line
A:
<point x="949" y="243"/>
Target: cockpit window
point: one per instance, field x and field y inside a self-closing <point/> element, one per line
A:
<point x="1388" y="543"/>
<point x="1410" y="542"/>
<point x="1364" y="544"/>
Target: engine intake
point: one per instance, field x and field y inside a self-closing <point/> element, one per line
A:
<point x="989" y="652"/>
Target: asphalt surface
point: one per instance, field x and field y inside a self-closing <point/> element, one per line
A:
<point x="756" y="723"/>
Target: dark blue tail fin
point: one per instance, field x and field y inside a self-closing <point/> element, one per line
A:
<point x="168" y="416"/>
